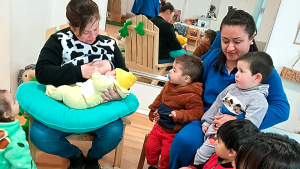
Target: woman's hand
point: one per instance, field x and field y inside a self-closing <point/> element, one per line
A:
<point x="111" y="95"/>
<point x="87" y="70"/>
<point x="219" y="120"/>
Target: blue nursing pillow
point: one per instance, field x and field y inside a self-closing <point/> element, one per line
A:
<point x="56" y="115"/>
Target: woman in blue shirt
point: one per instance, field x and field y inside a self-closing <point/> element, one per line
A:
<point x="237" y="34"/>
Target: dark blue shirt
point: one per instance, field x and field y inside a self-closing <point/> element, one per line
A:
<point x="215" y="82"/>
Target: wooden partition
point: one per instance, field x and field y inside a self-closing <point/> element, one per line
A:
<point x="141" y="52"/>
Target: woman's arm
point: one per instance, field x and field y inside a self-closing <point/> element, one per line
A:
<point x="170" y="37"/>
<point x="48" y="67"/>
<point x="118" y="59"/>
<point x="279" y="107"/>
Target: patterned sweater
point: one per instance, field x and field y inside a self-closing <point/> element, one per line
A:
<point x="62" y="55"/>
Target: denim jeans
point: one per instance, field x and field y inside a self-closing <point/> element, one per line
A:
<point x="170" y="60"/>
<point x="54" y="142"/>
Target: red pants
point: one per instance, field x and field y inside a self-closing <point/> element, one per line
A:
<point x="159" y="143"/>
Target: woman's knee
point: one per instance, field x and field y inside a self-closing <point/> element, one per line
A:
<point x="41" y="134"/>
<point x="112" y="131"/>
<point x="190" y="137"/>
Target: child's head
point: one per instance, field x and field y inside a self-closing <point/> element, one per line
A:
<point x="209" y="36"/>
<point x="254" y="68"/>
<point x="268" y="151"/>
<point x="186" y="69"/>
<point x="84" y="17"/>
<point x="231" y="136"/>
<point x="212" y="8"/>
<point x="9" y="107"/>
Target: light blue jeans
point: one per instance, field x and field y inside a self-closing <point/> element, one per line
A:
<point x="54" y="142"/>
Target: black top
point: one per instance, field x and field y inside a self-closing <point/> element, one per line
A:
<point x="167" y="37"/>
<point x="63" y="54"/>
<point x="164" y="111"/>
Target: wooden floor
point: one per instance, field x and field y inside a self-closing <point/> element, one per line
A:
<point x="134" y="138"/>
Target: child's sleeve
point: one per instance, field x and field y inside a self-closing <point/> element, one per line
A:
<point x="49" y="69"/>
<point x="18" y="154"/>
<point x="209" y="115"/>
<point x="194" y="110"/>
<point x="158" y="99"/>
<point x="100" y="84"/>
<point x="256" y="111"/>
<point x="198" y="51"/>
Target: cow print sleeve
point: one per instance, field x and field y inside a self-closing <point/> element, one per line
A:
<point x="118" y="59"/>
<point x="49" y="69"/>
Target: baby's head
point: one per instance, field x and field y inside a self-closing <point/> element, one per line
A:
<point x="9" y="107"/>
<point x="186" y="69"/>
<point x="231" y="136"/>
<point x="268" y="151"/>
<point x="254" y="68"/>
<point x="209" y="36"/>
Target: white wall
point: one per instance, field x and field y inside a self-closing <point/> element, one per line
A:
<point x="124" y="4"/>
<point x="195" y="8"/>
<point x="29" y="21"/>
<point x="5" y="44"/>
<point x="129" y="6"/>
<point x="59" y="12"/>
<point x="285" y="53"/>
<point x="247" y="5"/>
<point x="267" y="21"/>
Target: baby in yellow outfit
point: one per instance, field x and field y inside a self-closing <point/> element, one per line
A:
<point x="88" y="94"/>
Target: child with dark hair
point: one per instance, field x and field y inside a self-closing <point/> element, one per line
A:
<point x="211" y="13"/>
<point x="244" y="99"/>
<point x="14" y="149"/>
<point x="206" y="41"/>
<point x="179" y="102"/>
<point x="268" y="151"/>
<point x="231" y="136"/>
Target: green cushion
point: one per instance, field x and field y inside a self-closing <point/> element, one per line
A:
<point x="54" y="114"/>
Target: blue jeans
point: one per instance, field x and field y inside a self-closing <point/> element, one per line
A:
<point x="54" y="142"/>
<point x="185" y="144"/>
<point x="170" y="60"/>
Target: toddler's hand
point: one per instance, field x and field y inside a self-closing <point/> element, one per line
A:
<point x="173" y="114"/>
<point x="156" y="116"/>
<point x="185" y="168"/>
<point x="204" y="129"/>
